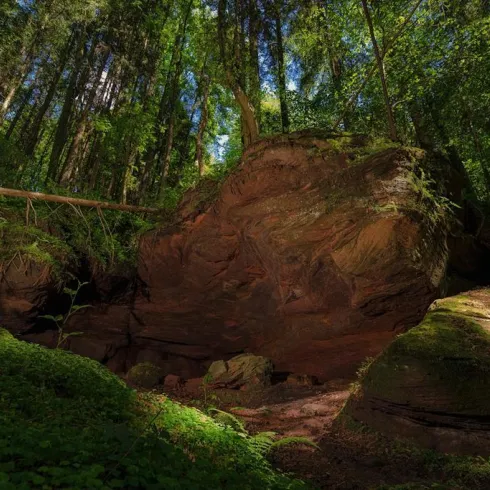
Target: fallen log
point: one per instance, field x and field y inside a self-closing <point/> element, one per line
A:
<point x="75" y="201"/>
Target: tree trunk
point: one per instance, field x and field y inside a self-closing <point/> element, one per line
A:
<point x="372" y="71"/>
<point x="202" y="126"/>
<point x="62" y="128"/>
<point x="254" y="75"/>
<point x="68" y="172"/>
<point x="19" y="112"/>
<point x="251" y="127"/>
<point x="36" y="124"/>
<point x="281" y="72"/>
<point x="174" y="96"/>
<point x="381" y="70"/>
<point x="74" y="201"/>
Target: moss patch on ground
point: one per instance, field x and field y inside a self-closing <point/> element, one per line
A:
<point x="68" y="422"/>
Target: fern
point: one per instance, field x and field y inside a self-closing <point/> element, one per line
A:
<point x="263" y="442"/>
<point x="225" y="418"/>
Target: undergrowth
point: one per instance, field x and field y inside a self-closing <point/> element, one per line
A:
<point x="59" y="236"/>
<point x="264" y="442"/>
<point x="68" y="422"/>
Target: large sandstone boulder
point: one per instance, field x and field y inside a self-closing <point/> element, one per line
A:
<point x="314" y="254"/>
<point x="432" y="384"/>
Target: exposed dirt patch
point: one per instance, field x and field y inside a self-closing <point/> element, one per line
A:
<point x="349" y="456"/>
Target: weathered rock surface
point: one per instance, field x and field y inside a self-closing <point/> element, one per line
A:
<point x="301" y="380"/>
<point x="239" y="371"/>
<point x="173" y="382"/>
<point x="432" y="384"/>
<point x="24" y="288"/>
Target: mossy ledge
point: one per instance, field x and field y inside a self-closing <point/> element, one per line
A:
<point x="432" y="384"/>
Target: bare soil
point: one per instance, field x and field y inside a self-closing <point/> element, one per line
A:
<point x="346" y="459"/>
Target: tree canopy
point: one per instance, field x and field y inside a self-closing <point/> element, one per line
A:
<point x="136" y="100"/>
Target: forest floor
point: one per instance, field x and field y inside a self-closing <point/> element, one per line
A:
<point x="349" y="456"/>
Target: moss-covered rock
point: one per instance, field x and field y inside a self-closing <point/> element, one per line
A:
<point x="432" y="384"/>
<point x="145" y="374"/>
<point x="245" y="369"/>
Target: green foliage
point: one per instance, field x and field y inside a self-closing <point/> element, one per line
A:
<point x="431" y="203"/>
<point x="62" y="320"/>
<point x="31" y="243"/>
<point x="60" y="237"/>
<point x="229" y="420"/>
<point x="67" y="422"/>
<point x="264" y="442"/>
<point x="286" y="441"/>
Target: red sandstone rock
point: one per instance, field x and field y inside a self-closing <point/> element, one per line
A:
<point x="301" y="380"/>
<point x="193" y="386"/>
<point x="172" y="382"/>
<point x="304" y="258"/>
<point x="24" y="288"/>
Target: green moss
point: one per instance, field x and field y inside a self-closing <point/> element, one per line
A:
<point x="372" y="146"/>
<point x="68" y="422"/>
<point x="31" y="243"/>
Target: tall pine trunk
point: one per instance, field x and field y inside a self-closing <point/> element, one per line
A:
<point x="382" y="74"/>
<point x="33" y="134"/>
<point x="202" y="126"/>
<point x="62" y="128"/>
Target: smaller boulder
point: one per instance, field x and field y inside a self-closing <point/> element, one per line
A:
<point x="173" y="382"/>
<point x="193" y="386"/>
<point x="245" y="369"/>
<point x="301" y="380"/>
<point x="145" y="374"/>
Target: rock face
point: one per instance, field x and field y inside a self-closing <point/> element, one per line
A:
<point x="315" y="253"/>
<point x="310" y="256"/>
<point x="432" y="384"/>
<point x="24" y="288"/>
